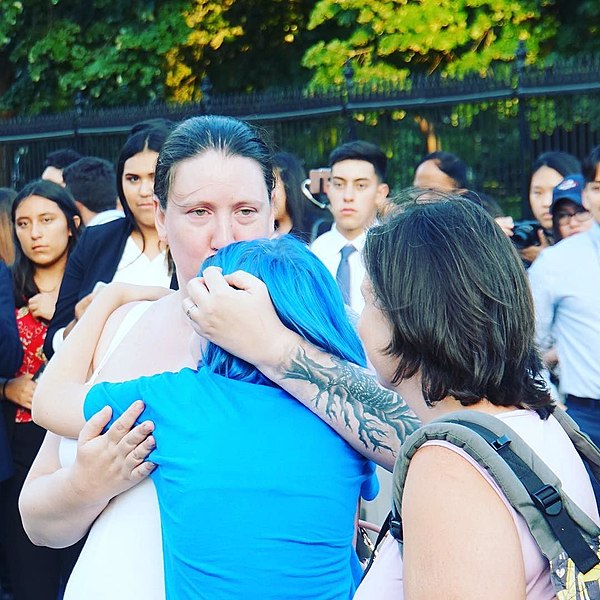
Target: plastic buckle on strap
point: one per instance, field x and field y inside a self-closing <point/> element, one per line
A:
<point x="548" y="499"/>
<point x="500" y="442"/>
<point x="396" y="527"/>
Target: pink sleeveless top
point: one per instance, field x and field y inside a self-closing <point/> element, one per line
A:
<point x="549" y="442"/>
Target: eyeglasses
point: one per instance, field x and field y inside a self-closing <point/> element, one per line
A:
<point x="581" y="216"/>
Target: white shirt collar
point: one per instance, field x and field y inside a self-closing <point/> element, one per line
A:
<point x="338" y="241"/>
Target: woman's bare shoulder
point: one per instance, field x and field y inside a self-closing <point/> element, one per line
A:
<point x="111" y="328"/>
<point x="454" y="518"/>
<point x="157" y="341"/>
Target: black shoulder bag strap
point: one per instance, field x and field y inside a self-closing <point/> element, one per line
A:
<point x="393" y="524"/>
<point x="546" y="498"/>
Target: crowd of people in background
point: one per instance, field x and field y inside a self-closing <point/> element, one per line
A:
<point x="200" y="269"/>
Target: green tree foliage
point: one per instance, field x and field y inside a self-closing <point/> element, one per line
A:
<point x="579" y="29"/>
<point x="123" y="52"/>
<point x="114" y="50"/>
<point x="387" y="39"/>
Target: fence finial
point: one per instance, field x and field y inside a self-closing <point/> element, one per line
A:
<point x="206" y="87"/>
<point x="521" y="55"/>
<point x="348" y="72"/>
<point x="79" y="103"/>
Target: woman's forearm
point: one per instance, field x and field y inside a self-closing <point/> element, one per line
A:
<point x="58" y="400"/>
<point x="55" y="511"/>
<point x="59" y="504"/>
<point x="374" y="420"/>
<point x="55" y="506"/>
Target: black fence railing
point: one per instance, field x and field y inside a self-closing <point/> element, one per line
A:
<point x="497" y="123"/>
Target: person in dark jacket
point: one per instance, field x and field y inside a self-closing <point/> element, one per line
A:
<point x="126" y="250"/>
<point x="11" y="355"/>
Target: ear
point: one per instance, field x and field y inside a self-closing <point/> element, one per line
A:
<point x="584" y="197"/>
<point x="383" y="189"/>
<point x="272" y="214"/>
<point x="77" y="222"/>
<point x="326" y="188"/>
<point x="159" y="221"/>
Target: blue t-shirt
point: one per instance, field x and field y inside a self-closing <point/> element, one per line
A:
<point x="257" y="495"/>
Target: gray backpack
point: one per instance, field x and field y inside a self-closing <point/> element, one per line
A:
<point x="566" y="536"/>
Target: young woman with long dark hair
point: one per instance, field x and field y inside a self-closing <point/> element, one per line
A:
<point x="46" y="228"/>
<point x="127" y="250"/>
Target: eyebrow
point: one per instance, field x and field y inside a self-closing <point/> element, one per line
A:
<point x="357" y="179"/>
<point x="187" y="202"/>
<point x="46" y="214"/>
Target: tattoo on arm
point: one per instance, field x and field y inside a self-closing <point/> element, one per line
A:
<point x="349" y="390"/>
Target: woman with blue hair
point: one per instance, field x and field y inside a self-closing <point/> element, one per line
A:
<point x="239" y="519"/>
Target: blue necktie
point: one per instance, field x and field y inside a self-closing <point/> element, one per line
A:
<point x="342" y="275"/>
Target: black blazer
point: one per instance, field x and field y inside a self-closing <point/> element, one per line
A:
<point x="11" y="350"/>
<point x="11" y="356"/>
<point x="95" y="258"/>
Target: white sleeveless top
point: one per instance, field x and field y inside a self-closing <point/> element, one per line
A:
<point x="136" y="267"/>
<point x="122" y="558"/>
<point x="550" y="442"/>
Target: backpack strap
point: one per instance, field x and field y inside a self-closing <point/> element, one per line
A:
<point x="587" y="449"/>
<point x="391" y="524"/>
<point x="529" y="485"/>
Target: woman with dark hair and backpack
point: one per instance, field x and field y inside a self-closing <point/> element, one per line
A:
<point x="127" y="250"/>
<point x="46" y="228"/>
<point x="449" y="324"/>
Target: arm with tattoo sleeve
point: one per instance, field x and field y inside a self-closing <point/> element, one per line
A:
<point x="374" y="420"/>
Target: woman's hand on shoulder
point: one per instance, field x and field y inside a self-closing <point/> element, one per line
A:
<point x="460" y="540"/>
<point x="112" y="462"/>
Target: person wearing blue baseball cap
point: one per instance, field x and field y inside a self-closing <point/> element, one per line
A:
<point x="569" y="216"/>
<point x="565" y="282"/>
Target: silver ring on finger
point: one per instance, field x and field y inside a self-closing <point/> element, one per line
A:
<point x="189" y="310"/>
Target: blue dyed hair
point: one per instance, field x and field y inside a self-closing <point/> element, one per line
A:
<point x="304" y="294"/>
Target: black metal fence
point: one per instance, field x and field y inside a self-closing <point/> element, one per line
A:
<point x="498" y="124"/>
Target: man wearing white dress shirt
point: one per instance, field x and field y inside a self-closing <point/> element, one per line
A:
<point x="565" y="282"/>
<point x="356" y="192"/>
<point x="93" y="183"/>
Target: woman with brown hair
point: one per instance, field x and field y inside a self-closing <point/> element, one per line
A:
<point x="46" y="229"/>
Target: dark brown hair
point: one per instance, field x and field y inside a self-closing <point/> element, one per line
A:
<point x="23" y="270"/>
<point x="458" y="302"/>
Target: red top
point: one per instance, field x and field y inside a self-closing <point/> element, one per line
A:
<point x="32" y="333"/>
